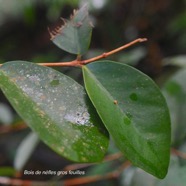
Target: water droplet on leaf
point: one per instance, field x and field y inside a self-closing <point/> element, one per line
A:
<point x="127" y="120"/>
<point x="54" y="82"/>
<point x="133" y="97"/>
<point x="129" y="115"/>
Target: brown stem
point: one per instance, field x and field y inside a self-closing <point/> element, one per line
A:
<point x="90" y="179"/>
<point x="178" y="153"/>
<point x="79" y="62"/>
<point x="109" y="157"/>
<point x="12" y="128"/>
<point x="18" y="182"/>
<point x="74" y="63"/>
<point x="104" y="55"/>
<point x="78" y="181"/>
<point x="68" y="182"/>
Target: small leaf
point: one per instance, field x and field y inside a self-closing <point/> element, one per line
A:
<point x="139" y="123"/>
<point x="56" y="108"/>
<point x="25" y="150"/>
<point x="74" y="37"/>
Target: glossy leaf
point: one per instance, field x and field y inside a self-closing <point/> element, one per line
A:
<point x="174" y="91"/>
<point x="74" y="37"/>
<point x="134" y="112"/>
<point x="56" y="108"/>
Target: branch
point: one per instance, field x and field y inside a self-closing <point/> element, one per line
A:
<point x="178" y="153"/>
<point x="79" y="63"/>
<point x="12" y="128"/>
<point x="92" y="179"/>
<point x="108" y="158"/>
<point x="18" y="182"/>
<point x="67" y="182"/>
<point x="104" y="55"/>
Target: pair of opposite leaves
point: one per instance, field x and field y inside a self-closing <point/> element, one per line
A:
<point x="128" y="102"/>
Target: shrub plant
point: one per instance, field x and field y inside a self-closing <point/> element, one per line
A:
<point x="117" y="100"/>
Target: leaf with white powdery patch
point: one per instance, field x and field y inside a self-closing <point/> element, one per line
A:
<point x="56" y="108"/>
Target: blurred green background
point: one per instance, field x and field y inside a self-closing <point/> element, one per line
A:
<point x="24" y="36"/>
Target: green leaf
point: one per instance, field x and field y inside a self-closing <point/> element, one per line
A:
<point x="134" y="112"/>
<point x="174" y="91"/>
<point x="56" y="108"/>
<point x="74" y="37"/>
<point x="176" y="175"/>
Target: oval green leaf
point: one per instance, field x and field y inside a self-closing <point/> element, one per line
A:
<point x="56" y="108"/>
<point x="74" y="37"/>
<point x="134" y="112"/>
